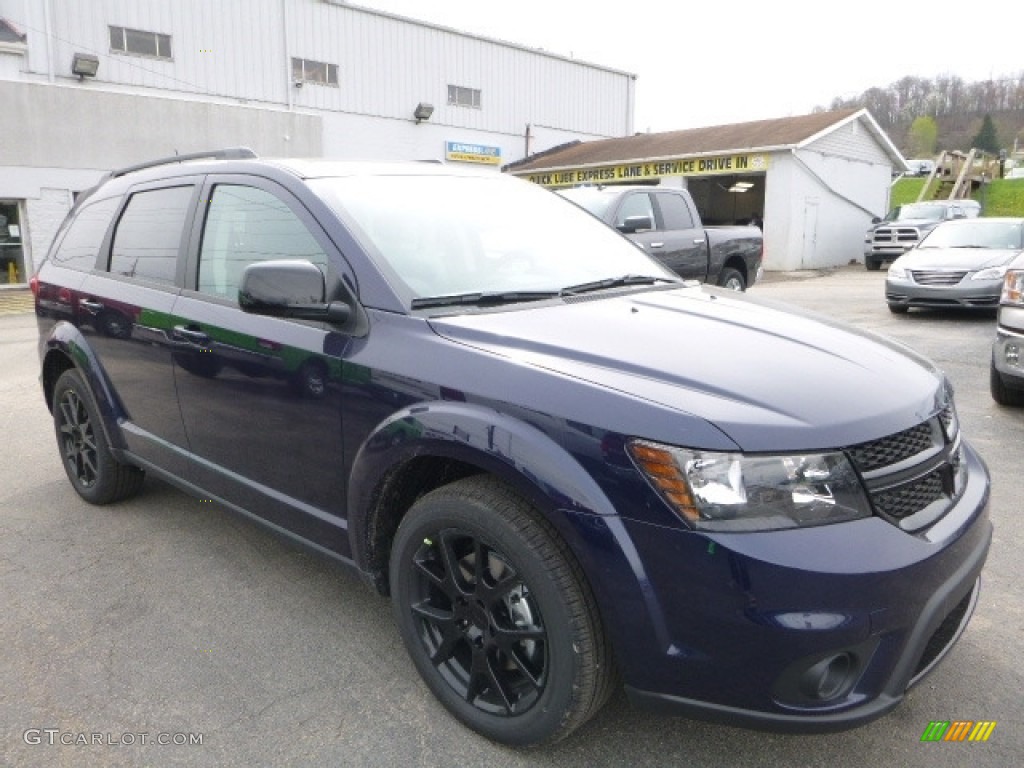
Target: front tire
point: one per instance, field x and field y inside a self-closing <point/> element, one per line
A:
<point x="496" y="614"/>
<point x="90" y="466"/>
<point x="732" y="279"/>
<point x="871" y="265"/>
<point x="899" y="309"/>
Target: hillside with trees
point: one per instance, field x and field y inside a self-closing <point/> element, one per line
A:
<point x="924" y="116"/>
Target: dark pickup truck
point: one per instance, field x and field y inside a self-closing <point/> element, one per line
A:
<point x="666" y="224"/>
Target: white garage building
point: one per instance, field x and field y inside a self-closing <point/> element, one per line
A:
<point x="91" y="85"/>
<point x="815" y="180"/>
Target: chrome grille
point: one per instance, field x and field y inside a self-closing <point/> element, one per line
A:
<point x="903" y="235"/>
<point x="892" y="449"/>
<point x="905" y="500"/>
<point x="930" y="277"/>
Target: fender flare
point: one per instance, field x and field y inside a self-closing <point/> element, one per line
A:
<point x="494" y="441"/>
<point x="67" y="341"/>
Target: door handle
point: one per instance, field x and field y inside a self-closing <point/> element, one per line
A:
<point x="92" y="306"/>
<point x="698" y="240"/>
<point x="657" y="245"/>
<point x="192" y="335"/>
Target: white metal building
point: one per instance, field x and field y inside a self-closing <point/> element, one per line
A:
<point x="815" y="180"/>
<point x="90" y="85"/>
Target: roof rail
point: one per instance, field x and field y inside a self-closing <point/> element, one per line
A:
<point x="231" y="153"/>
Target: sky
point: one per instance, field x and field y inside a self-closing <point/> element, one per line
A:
<point x="714" y="62"/>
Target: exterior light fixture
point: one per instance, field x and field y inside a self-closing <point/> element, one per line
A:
<point x="84" y="65"/>
<point x="423" y="111"/>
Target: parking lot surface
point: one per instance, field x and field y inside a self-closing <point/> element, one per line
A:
<point x="143" y="628"/>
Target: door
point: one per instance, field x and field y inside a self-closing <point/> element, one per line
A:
<point x="808" y="253"/>
<point x="125" y="314"/>
<point x="685" y="249"/>
<point x="260" y="396"/>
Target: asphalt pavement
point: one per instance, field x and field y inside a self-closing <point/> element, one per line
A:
<point x="169" y="619"/>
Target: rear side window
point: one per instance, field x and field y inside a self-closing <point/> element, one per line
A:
<point x="674" y="211"/>
<point x="148" y="235"/>
<point x="245" y="225"/>
<point x="84" y="237"/>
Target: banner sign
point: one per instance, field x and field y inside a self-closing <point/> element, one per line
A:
<point x="696" y="166"/>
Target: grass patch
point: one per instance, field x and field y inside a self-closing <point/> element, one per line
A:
<point x="1002" y="197"/>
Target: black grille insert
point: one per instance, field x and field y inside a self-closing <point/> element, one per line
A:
<point x="892" y="449"/>
<point x="905" y="500"/>
<point x="942" y="636"/>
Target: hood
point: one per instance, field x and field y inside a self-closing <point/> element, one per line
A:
<point x="769" y="376"/>
<point x="970" y="259"/>
<point x="919" y="223"/>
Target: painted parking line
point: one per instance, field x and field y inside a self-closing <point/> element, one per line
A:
<point x="16" y="302"/>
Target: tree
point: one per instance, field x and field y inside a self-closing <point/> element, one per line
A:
<point x="924" y="134"/>
<point x="986" y="138"/>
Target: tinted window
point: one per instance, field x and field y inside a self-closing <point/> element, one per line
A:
<point x="245" y="225"/>
<point x="148" y="236"/>
<point x="85" y="235"/>
<point x="635" y="205"/>
<point x="674" y="211"/>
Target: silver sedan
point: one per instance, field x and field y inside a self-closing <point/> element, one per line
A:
<point x="960" y="263"/>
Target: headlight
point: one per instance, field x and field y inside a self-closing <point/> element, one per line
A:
<point x="738" y="492"/>
<point x="992" y="273"/>
<point x="897" y="273"/>
<point x="1013" y="287"/>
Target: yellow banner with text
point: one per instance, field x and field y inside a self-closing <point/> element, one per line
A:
<point x="611" y="174"/>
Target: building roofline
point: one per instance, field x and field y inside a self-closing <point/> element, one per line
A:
<point x="482" y="38"/>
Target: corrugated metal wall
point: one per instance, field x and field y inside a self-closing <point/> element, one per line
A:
<point x="241" y="49"/>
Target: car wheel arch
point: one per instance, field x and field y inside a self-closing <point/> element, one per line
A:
<point x="392" y="470"/>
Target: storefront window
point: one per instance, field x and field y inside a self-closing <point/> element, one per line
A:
<point x="12" y="257"/>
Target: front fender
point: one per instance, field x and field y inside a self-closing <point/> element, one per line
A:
<point x="66" y="340"/>
<point x="494" y="441"/>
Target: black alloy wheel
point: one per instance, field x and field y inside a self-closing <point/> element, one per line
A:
<point x="496" y="616"/>
<point x="90" y="466"/>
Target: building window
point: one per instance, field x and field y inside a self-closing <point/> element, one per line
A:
<point x="138" y="42"/>
<point x="463" y="97"/>
<point x="309" y="71"/>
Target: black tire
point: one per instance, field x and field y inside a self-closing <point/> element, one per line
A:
<point x="93" y="471"/>
<point x="1001" y="393"/>
<point x="871" y="265"/>
<point x="732" y="279"/>
<point x="899" y="309"/>
<point x="515" y="650"/>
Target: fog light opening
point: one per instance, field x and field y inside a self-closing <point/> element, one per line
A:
<point x="1012" y="354"/>
<point x="829" y="678"/>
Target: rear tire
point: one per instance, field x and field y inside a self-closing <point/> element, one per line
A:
<point x="92" y="469"/>
<point x="732" y="279"/>
<point x="1001" y="393"/>
<point x="496" y="614"/>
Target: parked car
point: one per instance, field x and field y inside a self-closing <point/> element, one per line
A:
<point x="666" y="224"/>
<point x="958" y="264"/>
<point x="565" y="465"/>
<point x="1006" y="375"/>
<point x="905" y="225"/>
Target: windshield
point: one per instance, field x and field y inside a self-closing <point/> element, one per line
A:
<point x="594" y="200"/>
<point x="976" y="233"/>
<point x="926" y="211"/>
<point x="436" y="235"/>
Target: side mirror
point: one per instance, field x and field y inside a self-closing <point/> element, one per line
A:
<point x="875" y="219"/>
<point x="635" y="224"/>
<point x="288" y="288"/>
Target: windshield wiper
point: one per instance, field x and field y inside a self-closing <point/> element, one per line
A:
<point x="613" y="282"/>
<point x="482" y="299"/>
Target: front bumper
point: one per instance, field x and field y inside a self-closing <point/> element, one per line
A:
<point x="735" y="628"/>
<point x="1008" y="356"/>
<point x="979" y="294"/>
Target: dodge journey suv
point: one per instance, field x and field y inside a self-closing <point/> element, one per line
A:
<point x="569" y="469"/>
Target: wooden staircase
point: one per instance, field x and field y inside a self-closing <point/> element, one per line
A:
<point x="956" y="175"/>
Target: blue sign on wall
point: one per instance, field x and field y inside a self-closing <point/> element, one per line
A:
<point x="464" y="152"/>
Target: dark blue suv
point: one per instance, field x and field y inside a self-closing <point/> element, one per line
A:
<point x="569" y="469"/>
